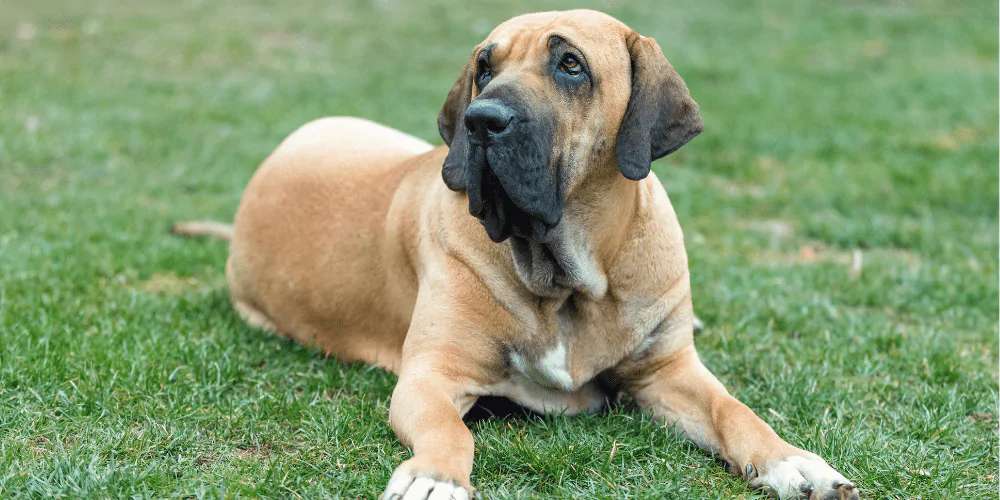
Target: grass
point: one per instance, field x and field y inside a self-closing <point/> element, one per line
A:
<point x="831" y="128"/>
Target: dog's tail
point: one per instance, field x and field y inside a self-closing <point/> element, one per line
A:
<point x="204" y="228"/>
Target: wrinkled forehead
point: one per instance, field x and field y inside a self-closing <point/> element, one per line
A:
<point x="599" y="36"/>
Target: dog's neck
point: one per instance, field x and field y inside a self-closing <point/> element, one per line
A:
<point x="577" y="252"/>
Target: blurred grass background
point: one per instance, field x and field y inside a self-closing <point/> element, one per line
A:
<point x="832" y="128"/>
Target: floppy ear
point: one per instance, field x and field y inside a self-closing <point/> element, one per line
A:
<point x="451" y="126"/>
<point x="660" y="117"/>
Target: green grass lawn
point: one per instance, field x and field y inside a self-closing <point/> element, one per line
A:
<point x="830" y="128"/>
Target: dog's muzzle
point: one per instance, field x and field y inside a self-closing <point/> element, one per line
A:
<point x="512" y="190"/>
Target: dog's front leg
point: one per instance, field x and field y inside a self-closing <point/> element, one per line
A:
<point x="441" y="366"/>
<point x="679" y="390"/>
<point x="425" y="415"/>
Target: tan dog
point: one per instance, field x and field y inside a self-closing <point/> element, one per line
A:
<point x="347" y="237"/>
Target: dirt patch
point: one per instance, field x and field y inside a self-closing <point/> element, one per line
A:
<point x="39" y="446"/>
<point x="778" y="230"/>
<point x="957" y="138"/>
<point x="736" y="189"/>
<point x="982" y="417"/>
<point x="818" y="253"/>
<point x="169" y="284"/>
<point x="261" y="452"/>
<point x="770" y="164"/>
<point x="875" y="47"/>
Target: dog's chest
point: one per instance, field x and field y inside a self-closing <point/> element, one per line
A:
<point x="550" y="369"/>
<point x="571" y="347"/>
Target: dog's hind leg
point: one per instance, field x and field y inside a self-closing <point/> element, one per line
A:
<point x="254" y="318"/>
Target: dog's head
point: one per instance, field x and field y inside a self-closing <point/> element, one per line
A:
<point x="549" y="99"/>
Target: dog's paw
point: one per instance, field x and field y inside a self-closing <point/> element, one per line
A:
<point x="404" y="485"/>
<point x="803" y="477"/>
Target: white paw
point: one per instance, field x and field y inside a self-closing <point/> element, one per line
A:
<point x="403" y="486"/>
<point x="803" y="477"/>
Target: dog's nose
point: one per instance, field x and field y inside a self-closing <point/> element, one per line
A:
<point x="486" y="118"/>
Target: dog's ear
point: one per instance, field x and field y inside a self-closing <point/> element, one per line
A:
<point x="451" y="126"/>
<point x="661" y="115"/>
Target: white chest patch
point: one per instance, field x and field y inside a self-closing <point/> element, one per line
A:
<point x="552" y="370"/>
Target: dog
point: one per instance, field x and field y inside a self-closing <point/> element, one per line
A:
<point x="533" y="257"/>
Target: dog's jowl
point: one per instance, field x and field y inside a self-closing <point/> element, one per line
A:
<point x="534" y="256"/>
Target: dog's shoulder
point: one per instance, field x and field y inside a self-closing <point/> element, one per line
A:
<point x="652" y="253"/>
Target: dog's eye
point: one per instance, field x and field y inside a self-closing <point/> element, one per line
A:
<point x="484" y="73"/>
<point x="570" y="65"/>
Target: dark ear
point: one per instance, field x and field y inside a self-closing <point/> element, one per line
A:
<point x="660" y="117"/>
<point x="451" y="126"/>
